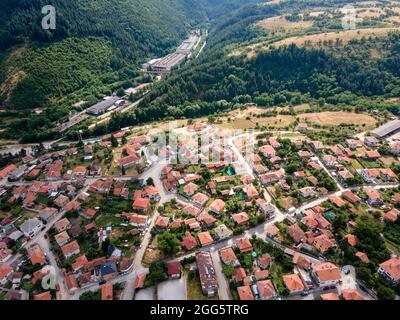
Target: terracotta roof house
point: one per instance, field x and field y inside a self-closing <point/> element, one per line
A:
<point x="245" y="293"/>
<point x="294" y="283"/>
<point x="44" y="296"/>
<point x="323" y="243"/>
<point x="162" y="222"/>
<point x="62" y="225"/>
<point x="205" y="238"/>
<point x="326" y="274"/>
<point x="217" y="207"/>
<point x="228" y="256"/>
<point x="190" y="189"/>
<point x="330" y="296"/>
<point x="200" y="199"/>
<point x="174" y="269"/>
<point x="351" y="239"/>
<point x="392" y="215"/>
<point x="142" y="205"/>
<point x="239" y="274"/>
<point x="240" y="218"/>
<point x="244" y="245"/>
<point x="189" y="242"/>
<point x="352" y="294"/>
<point x="62" y="238"/>
<point x="390" y="269"/>
<point x="336" y="201"/>
<point x="79" y="263"/>
<point x="70" y="249"/>
<point x="350" y="196"/>
<point x="36" y="255"/>
<point x="5" y="272"/>
<point x="296" y="233"/>
<point x="301" y="261"/>
<point x="190" y="210"/>
<point x="266" y="289"/>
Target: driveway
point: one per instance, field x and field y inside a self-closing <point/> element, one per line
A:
<point x="172" y="290"/>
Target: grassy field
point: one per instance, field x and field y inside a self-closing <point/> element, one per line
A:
<point x="317" y="40"/>
<point x="280" y="23"/>
<point x="340" y="117"/>
<point x="194" y="291"/>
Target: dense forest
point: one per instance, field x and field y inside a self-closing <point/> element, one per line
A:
<point x="307" y="71"/>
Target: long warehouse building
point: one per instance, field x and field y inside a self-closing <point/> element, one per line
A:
<point x="386" y="130"/>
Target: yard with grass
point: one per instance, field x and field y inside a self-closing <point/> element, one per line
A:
<point x="194" y="291"/>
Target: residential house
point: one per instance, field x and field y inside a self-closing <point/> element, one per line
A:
<point x="70" y="249"/>
<point x="294" y="283"/>
<point x="174" y="269"/>
<point x="62" y="225"/>
<point x="266" y="290"/>
<point x="326" y="274"/>
<point x="244" y="245"/>
<point x="228" y="257"/>
<point x="245" y="293"/>
<point x="205" y="238"/>
<point x="390" y="269"/>
<point x="296" y="233"/>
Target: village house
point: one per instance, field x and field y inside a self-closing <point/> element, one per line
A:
<point x="245" y="293"/>
<point x="326" y="274"/>
<point x="200" y="199"/>
<point x="390" y="269"/>
<point x="294" y="283"/>
<point x="5" y="273"/>
<point x="374" y="197"/>
<point x="228" y="257"/>
<point x="205" y="238"/>
<point x="296" y="233"/>
<point x="240" y="218"/>
<point x="189" y="242"/>
<point x="223" y="232"/>
<point x="244" y="245"/>
<point x="266" y="290"/>
<point x="142" y="205"/>
<point x="36" y="255"/>
<point x="138" y="221"/>
<point x="174" y="269"/>
<point x="70" y="249"/>
<point x="190" y="189"/>
<point x="62" y="225"/>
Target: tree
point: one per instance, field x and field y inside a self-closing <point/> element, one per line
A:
<point x="385" y="293"/>
<point x="114" y="141"/>
<point x="228" y="271"/>
<point x="120" y="92"/>
<point x="168" y="243"/>
<point x="150" y="181"/>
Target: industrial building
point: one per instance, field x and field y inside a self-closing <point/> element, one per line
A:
<point x="172" y="61"/>
<point x="103" y="106"/>
<point x="167" y="63"/>
<point x="386" y="130"/>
